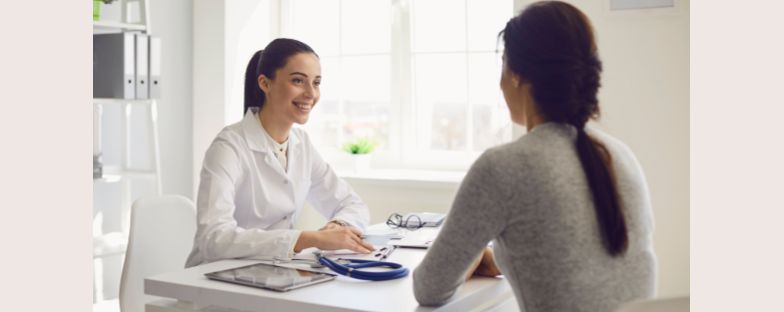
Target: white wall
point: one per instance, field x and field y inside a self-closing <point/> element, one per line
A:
<point x="645" y="103"/>
<point x="208" y="78"/>
<point x="644" y="100"/>
<point x="250" y="25"/>
<point x="173" y="23"/>
<point x="226" y="34"/>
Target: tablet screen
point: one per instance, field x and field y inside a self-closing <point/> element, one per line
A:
<point x="270" y="277"/>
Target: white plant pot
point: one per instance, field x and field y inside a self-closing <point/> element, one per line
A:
<point x="361" y="162"/>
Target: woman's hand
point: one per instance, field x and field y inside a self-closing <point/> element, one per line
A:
<point x="331" y="226"/>
<point x="473" y="267"/>
<point x="484" y="265"/>
<point x="334" y="238"/>
<point x="341" y="237"/>
<point x="487" y="267"/>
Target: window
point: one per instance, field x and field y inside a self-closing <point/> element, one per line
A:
<point x="420" y="77"/>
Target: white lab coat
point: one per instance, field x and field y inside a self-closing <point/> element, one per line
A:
<point x="248" y="205"/>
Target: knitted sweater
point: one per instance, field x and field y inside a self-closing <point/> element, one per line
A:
<point x="532" y="199"/>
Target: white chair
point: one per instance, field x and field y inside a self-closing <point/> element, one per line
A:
<point x="161" y="236"/>
<point x="675" y="304"/>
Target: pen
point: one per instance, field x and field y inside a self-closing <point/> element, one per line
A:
<point x="384" y="257"/>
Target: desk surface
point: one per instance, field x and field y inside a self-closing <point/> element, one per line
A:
<point x="341" y="294"/>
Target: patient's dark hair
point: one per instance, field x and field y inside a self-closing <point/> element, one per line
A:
<point x="551" y="46"/>
<point x="266" y="62"/>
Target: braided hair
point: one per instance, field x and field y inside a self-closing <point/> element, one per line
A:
<point x="551" y="45"/>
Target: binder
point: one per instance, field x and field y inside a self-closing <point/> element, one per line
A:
<point x="114" y="74"/>
<point x="142" y="67"/>
<point x="155" y="67"/>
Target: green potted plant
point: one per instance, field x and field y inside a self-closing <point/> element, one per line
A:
<point x="360" y="150"/>
<point x="96" y="10"/>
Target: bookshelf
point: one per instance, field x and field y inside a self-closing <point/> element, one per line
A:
<point x="122" y="180"/>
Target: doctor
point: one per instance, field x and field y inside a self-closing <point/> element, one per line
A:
<point x="258" y="173"/>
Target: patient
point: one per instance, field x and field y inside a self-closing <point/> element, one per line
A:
<point x="566" y="206"/>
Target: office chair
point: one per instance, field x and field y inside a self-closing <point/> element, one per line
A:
<point x="161" y="236"/>
<point x="675" y="304"/>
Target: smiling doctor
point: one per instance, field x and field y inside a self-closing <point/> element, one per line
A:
<point x="258" y="173"/>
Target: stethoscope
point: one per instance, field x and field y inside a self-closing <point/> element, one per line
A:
<point x="353" y="268"/>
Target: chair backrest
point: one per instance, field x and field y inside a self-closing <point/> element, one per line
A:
<point x="161" y="236"/>
<point x="676" y="304"/>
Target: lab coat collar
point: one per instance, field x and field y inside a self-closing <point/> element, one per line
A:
<point x="255" y="137"/>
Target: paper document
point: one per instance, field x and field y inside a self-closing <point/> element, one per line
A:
<point x="384" y="230"/>
<point x="307" y="254"/>
<point x="421" y="238"/>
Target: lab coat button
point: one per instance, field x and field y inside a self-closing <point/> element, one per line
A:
<point x="285" y="217"/>
<point x="285" y="181"/>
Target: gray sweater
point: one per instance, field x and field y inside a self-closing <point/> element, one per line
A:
<point x="532" y="199"/>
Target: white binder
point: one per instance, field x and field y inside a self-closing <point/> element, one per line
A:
<point x="155" y="67"/>
<point x="114" y="74"/>
<point x="142" y="67"/>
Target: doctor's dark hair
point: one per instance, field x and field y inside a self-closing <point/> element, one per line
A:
<point x="265" y="62"/>
<point x="551" y="45"/>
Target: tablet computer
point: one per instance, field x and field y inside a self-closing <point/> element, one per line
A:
<point x="271" y="277"/>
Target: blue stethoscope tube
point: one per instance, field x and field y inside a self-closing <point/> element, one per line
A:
<point x="354" y="266"/>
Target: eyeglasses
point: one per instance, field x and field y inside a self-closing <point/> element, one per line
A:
<point x="413" y="222"/>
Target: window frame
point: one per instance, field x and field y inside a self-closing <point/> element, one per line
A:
<point x="404" y="119"/>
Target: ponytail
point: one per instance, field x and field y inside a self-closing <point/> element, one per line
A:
<point x="254" y="96"/>
<point x="596" y="162"/>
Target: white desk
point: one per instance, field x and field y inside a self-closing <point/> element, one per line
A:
<point x="341" y="294"/>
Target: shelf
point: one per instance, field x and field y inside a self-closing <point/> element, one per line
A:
<point x="120" y="101"/>
<point x="113" y="25"/>
<point x="108" y="178"/>
<point x="112" y="175"/>
<point x="110" y="244"/>
<point x="120" y="180"/>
